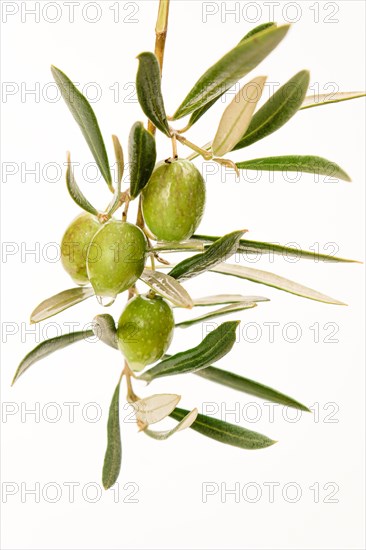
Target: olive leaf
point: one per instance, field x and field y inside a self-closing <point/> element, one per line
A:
<point x="218" y="252"/>
<point x="60" y="302"/>
<point x="259" y="247"/>
<point x="168" y="287"/>
<point x="148" y="87"/>
<point x="250" y="387"/>
<point x="259" y="28"/>
<point x="185" y="423"/>
<point x="224" y="432"/>
<point x="238" y="306"/>
<point x="118" y="153"/>
<point x="227" y="299"/>
<point x="212" y="348"/>
<point x="75" y="192"/>
<point x="196" y="115"/>
<point x="278" y="110"/>
<point x="154" y="408"/>
<point x="326" y="99"/>
<point x="296" y="163"/>
<point x="104" y="328"/>
<point x="113" y="454"/>
<point x="86" y="119"/>
<point x="142" y="157"/>
<point x="236" y="117"/>
<point x="50" y="346"/>
<point x="275" y="281"/>
<point x="232" y="67"/>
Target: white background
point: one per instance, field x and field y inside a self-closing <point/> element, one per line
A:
<point x="170" y="512"/>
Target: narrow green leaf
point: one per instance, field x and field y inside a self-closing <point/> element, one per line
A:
<point x="270" y="279"/>
<point x="196" y="115"/>
<point x="326" y="99"/>
<point x="113" y="454"/>
<point x="227" y="299"/>
<point x="185" y="423"/>
<point x="60" y="302"/>
<point x="259" y="28"/>
<point x="259" y="247"/>
<point x="239" y="306"/>
<point x="236" y="117"/>
<point x="86" y="119"/>
<point x="104" y="328"/>
<point x="296" y="163"/>
<point x="118" y="153"/>
<point x="212" y="348"/>
<point x="232" y="67"/>
<point x="154" y="408"/>
<point x="168" y="287"/>
<point x="248" y="386"/>
<point x="278" y="110"/>
<point x="50" y="346"/>
<point x="142" y="157"/>
<point x="218" y="252"/>
<point x="75" y="192"/>
<point x="221" y="431"/>
<point x="148" y="87"/>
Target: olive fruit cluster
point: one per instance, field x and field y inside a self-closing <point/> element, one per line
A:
<point x="111" y="256"/>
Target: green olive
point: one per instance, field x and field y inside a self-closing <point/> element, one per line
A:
<point x="116" y="258"/>
<point x="145" y="330"/>
<point x="75" y="244"/>
<point x="173" y="200"/>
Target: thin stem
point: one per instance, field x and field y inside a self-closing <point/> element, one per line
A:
<point x="152" y="258"/>
<point x="125" y="211"/>
<point x="174" y="146"/>
<point x="205" y="154"/>
<point x="131" y="396"/>
<point x="140" y="218"/>
<point x="206" y="147"/>
<point x="228" y="164"/>
<point x="161" y="30"/>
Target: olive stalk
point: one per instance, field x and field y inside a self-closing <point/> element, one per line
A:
<point x="161" y="29"/>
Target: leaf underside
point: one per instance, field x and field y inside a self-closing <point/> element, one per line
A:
<point x="50" y="346"/>
<point x="245" y="385"/>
